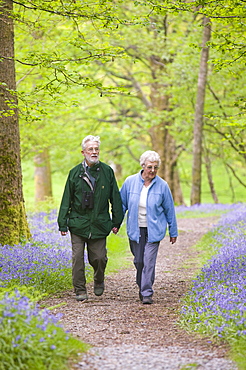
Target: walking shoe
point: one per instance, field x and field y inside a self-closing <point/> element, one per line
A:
<point x="147" y="300"/>
<point x="98" y="289"/>
<point x="81" y="297"/>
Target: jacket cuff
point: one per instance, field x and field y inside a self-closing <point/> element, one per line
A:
<point x="63" y="229"/>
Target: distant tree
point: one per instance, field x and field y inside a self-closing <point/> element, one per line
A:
<point x="199" y="113"/>
<point x="12" y="211"/>
<point x="144" y="109"/>
<point x="42" y="176"/>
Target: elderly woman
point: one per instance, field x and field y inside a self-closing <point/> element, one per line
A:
<point x="149" y="203"/>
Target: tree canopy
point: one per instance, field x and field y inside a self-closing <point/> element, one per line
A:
<point x="128" y="71"/>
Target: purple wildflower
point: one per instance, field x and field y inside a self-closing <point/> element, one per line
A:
<point x="48" y="253"/>
<point x="218" y="293"/>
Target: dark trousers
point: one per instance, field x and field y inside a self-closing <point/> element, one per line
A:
<point x="97" y="256"/>
<point x="145" y="255"/>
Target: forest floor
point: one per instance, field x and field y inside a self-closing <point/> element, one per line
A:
<point x="125" y="334"/>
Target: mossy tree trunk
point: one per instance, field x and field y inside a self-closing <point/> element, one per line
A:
<point x="14" y="225"/>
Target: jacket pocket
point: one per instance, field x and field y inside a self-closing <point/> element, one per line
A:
<point x="103" y="225"/>
<point x="79" y="225"/>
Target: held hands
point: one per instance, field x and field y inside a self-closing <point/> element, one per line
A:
<point x="115" y="230"/>
<point x="63" y="233"/>
<point x="173" y="240"/>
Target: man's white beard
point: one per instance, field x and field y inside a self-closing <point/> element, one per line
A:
<point x="91" y="159"/>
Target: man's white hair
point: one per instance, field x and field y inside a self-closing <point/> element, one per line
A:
<point x="150" y="156"/>
<point x="90" y="138"/>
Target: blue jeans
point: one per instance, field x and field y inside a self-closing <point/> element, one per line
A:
<point x="145" y="255"/>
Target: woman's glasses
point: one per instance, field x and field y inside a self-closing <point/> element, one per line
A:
<point x="155" y="168"/>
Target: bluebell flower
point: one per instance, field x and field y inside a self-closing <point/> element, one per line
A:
<point x="220" y="287"/>
<point x="47" y="253"/>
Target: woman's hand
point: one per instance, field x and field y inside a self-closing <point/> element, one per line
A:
<point x="173" y="240"/>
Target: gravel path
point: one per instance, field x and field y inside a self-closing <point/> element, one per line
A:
<point x="125" y="334"/>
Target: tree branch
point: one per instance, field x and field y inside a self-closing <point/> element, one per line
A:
<point x="240" y="150"/>
<point x="97" y="56"/>
<point x="23" y="78"/>
<point x="139" y="91"/>
<point x="217" y="99"/>
<point x="173" y="7"/>
<point x="178" y="151"/>
<point x="235" y="175"/>
<point x="66" y="13"/>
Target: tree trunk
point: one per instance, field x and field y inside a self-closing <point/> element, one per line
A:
<point x="164" y="143"/>
<point x="198" y="122"/>
<point x="210" y="177"/>
<point x="12" y="211"/>
<point x="42" y="176"/>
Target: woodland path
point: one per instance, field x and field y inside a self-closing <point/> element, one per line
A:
<point x="125" y="334"/>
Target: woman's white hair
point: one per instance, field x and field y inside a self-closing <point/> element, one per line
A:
<point x="90" y="138"/>
<point x="150" y="156"/>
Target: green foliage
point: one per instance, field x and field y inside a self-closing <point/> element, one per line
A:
<point x="30" y="340"/>
<point x="51" y="282"/>
<point x="26" y="291"/>
<point x="82" y="70"/>
<point x="227" y="188"/>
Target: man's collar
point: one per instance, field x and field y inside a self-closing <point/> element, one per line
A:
<point x="85" y="165"/>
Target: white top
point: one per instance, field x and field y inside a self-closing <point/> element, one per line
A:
<point x="142" y="218"/>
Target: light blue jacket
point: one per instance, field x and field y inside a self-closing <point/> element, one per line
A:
<point x="160" y="208"/>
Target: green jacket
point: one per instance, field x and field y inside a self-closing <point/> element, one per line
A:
<point x="96" y="222"/>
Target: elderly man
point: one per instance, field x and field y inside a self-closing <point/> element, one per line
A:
<point x="90" y="188"/>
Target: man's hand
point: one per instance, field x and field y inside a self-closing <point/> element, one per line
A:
<point x="115" y="230"/>
<point x="63" y="233"/>
<point x="173" y="240"/>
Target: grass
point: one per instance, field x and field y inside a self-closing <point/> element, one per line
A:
<point x="237" y="353"/>
<point x="205" y="251"/>
<point x="118" y="251"/>
<point x="195" y="214"/>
